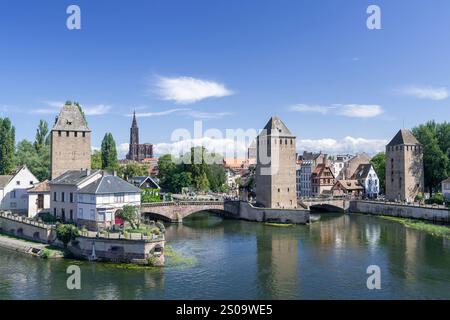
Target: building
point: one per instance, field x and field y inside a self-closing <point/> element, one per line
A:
<point x="70" y="141"/>
<point x="350" y="166"/>
<point x="39" y="199"/>
<point x="304" y="172"/>
<point x="322" y="179"/>
<point x="144" y="182"/>
<point x="13" y="190"/>
<point x="446" y="189"/>
<point x="275" y="168"/>
<point x="404" y="167"/>
<point x="138" y="152"/>
<point x="90" y="198"/>
<point x="347" y="188"/>
<point x="365" y="174"/>
<point x="100" y="201"/>
<point x="339" y="162"/>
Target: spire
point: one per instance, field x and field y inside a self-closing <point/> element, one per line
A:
<point x="134" y="123"/>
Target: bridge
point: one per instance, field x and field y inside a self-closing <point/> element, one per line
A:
<point x="325" y="204"/>
<point x="177" y="211"/>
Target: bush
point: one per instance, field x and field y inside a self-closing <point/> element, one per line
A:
<point x="45" y="254"/>
<point x="437" y="198"/>
<point x="48" y="218"/>
<point x="418" y="198"/>
<point x="66" y="233"/>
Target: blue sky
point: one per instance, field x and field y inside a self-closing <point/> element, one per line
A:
<point x="338" y="86"/>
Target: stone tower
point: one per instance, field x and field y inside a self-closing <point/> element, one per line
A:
<point x="136" y="151"/>
<point x="404" y="167"/>
<point x="276" y="165"/>
<point x="70" y="141"/>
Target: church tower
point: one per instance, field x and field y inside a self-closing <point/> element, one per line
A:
<point x="70" y="141"/>
<point x="275" y="168"/>
<point x="136" y="151"/>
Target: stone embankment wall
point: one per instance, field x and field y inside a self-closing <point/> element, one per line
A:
<point x="120" y="250"/>
<point x="246" y="211"/>
<point x="400" y="210"/>
<point x="27" y="229"/>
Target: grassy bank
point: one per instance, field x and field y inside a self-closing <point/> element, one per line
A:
<point x="431" y="228"/>
<point x="48" y="250"/>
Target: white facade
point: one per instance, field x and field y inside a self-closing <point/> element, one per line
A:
<point x="446" y="189"/>
<point x="371" y="184"/>
<point x="101" y="208"/>
<point x="13" y="195"/>
<point x="33" y="201"/>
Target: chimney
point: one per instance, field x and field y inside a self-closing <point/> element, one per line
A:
<point x="88" y="172"/>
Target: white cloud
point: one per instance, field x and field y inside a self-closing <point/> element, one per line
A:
<point x="426" y="92"/>
<point x="360" y="110"/>
<point x="96" y="110"/>
<point x="160" y="113"/>
<point x="308" y="108"/>
<point x="345" y="145"/>
<point x="122" y="150"/>
<point x="347" y="110"/>
<point x="185" y="90"/>
<point x="208" y="115"/>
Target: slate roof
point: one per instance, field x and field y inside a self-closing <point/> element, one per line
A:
<point x="139" y="180"/>
<point x="73" y="177"/>
<point x="275" y="124"/>
<point x="404" y="136"/>
<point x="4" y="179"/>
<point x="446" y="180"/>
<point x="348" y="185"/>
<point x="109" y="184"/>
<point x="362" y="171"/>
<point x="70" y="119"/>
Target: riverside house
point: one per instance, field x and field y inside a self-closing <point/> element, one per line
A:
<point x="13" y="190"/>
<point x="91" y="198"/>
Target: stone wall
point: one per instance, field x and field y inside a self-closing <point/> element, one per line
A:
<point x="23" y="228"/>
<point x="400" y="210"/>
<point x="246" y="211"/>
<point x="119" y="250"/>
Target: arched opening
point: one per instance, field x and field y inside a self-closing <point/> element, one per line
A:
<point x="317" y="208"/>
<point x="36" y="236"/>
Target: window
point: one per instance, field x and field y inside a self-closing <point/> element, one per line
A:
<point x="18" y="183"/>
<point x="80" y="212"/>
<point x="80" y="198"/>
<point x="84" y="134"/>
<point x="71" y="197"/>
<point x="54" y="196"/>
<point x="75" y="134"/>
<point x="54" y="212"/>
<point x="67" y="133"/>
<point x="92" y="214"/>
<point x="62" y="196"/>
<point x="92" y="198"/>
<point x="71" y="214"/>
<point x="119" y="198"/>
<point x="13" y="194"/>
<point x="31" y="182"/>
<point x="59" y="133"/>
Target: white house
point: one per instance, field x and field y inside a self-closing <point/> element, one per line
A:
<point x="100" y="201"/>
<point x="446" y="189"/>
<point x="13" y="190"/>
<point x="368" y="178"/>
<point x="91" y="198"/>
<point x="39" y="199"/>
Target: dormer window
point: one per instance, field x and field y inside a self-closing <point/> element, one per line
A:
<point x="69" y="122"/>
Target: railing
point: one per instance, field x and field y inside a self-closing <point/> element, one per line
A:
<point x="183" y="202"/>
<point x="120" y="235"/>
<point x="26" y="220"/>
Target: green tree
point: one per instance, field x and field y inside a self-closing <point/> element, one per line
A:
<point x="166" y="169"/>
<point x="7" y="146"/>
<point x="41" y="136"/>
<point x="109" y="153"/>
<point x="379" y="164"/>
<point x="96" y="160"/>
<point x="435" y="160"/>
<point x="66" y="233"/>
<point x="130" y="214"/>
<point x="37" y="162"/>
<point x="133" y="170"/>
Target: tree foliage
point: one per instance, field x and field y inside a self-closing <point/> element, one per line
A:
<point x="7" y="146"/>
<point x="197" y="169"/>
<point x="434" y="138"/>
<point x="36" y="155"/>
<point x="379" y="164"/>
<point x="109" y="153"/>
<point x="96" y="160"/>
<point x="66" y="233"/>
<point x="132" y="169"/>
<point x="129" y="214"/>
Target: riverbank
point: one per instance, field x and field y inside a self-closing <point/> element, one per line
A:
<point x="431" y="228"/>
<point x="33" y="248"/>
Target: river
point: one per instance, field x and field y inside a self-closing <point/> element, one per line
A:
<point x="230" y="259"/>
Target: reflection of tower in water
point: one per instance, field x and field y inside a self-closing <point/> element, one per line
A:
<point x="278" y="274"/>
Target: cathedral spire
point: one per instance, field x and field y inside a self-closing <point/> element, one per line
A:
<point x="134" y="124"/>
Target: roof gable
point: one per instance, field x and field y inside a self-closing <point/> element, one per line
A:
<point x="71" y="119"/>
<point x="404" y="136"/>
<point x="277" y="127"/>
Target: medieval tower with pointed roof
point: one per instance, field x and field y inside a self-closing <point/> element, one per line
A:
<point x="275" y="169"/>
<point x="136" y="151"/>
<point x="404" y="167"/>
<point x="70" y="141"/>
